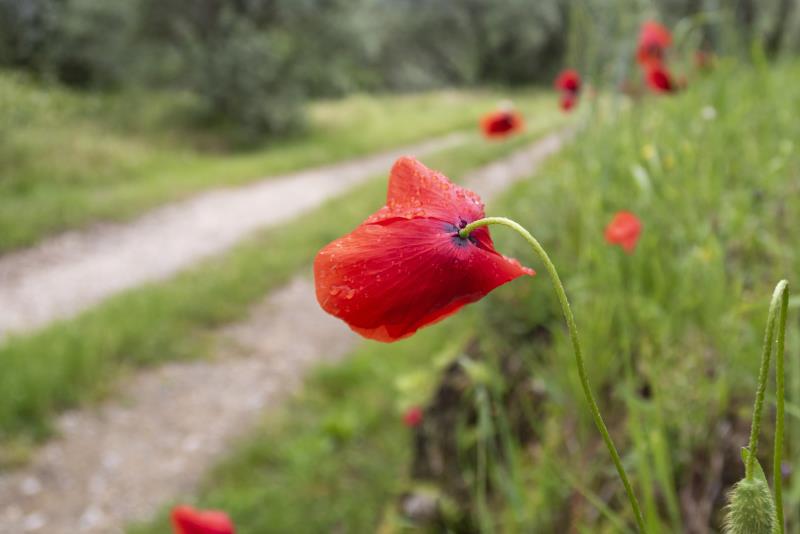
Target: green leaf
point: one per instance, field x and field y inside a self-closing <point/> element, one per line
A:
<point x="759" y="470"/>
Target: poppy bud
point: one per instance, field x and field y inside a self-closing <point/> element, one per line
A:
<point x="750" y="509"/>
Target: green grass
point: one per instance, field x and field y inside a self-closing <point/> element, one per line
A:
<point x="684" y="316"/>
<point x="75" y="361"/>
<point x="68" y="159"/>
<point x="336" y="455"/>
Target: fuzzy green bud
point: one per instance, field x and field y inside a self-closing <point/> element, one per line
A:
<point x="750" y="509"/>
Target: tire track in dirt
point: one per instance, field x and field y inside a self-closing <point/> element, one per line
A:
<point x="153" y="442"/>
<point x="69" y="273"/>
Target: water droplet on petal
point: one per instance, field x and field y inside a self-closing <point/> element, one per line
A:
<point x="346" y="292"/>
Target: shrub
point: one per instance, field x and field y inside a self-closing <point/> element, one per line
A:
<point x="245" y="78"/>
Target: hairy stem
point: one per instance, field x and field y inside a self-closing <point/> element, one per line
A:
<point x="778" y="308"/>
<point x="576" y="346"/>
<point x="777" y="460"/>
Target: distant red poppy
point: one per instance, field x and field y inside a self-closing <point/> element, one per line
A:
<point x="406" y="267"/>
<point x="569" y="80"/>
<point x="413" y="417"/>
<point x="188" y="520"/>
<point x="624" y="230"/>
<point x="659" y="79"/>
<point x="501" y="123"/>
<point x="569" y="83"/>
<point x="654" y="39"/>
<point x="568" y="101"/>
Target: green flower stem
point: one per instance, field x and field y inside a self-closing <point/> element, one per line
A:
<point x="780" y="297"/>
<point x="573" y="332"/>
<point x="777" y="460"/>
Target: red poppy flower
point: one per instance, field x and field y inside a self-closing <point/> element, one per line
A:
<point x="501" y="123"/>
<point x="659" y="79"/>
<point x="569" y="80"/>
<point x="569" y="83"/>
<point x="568" y="101"/>
<point x="624" y="230"/>
<point x="187" y="520"/>
<point x="654" y="39"/>
<point x="406" y="267"/>
<point x="413" y="417"/>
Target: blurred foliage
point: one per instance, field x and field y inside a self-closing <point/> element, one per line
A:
<point x="91" y="42"/>
<point x="513" y="41"/>
<point x="255" y="61"/>
<point x="69" y="158"/>
<point x="264" y="99"/>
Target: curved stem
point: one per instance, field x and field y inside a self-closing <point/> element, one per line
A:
<point x="573" y="333"/>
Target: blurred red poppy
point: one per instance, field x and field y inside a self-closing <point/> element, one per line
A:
<point x="654" y="39"/>
<point x="501" y="123"/>
<point x="406" y="267"/>
<point x="659" y="79"/>
<point x="568" y="101"/>
<point x="569" y="83"/>
<point x="569" y="80"/>
<point x="188" y="520"/>
<point x="624" y="230"/>
<point x="413" y="417"/>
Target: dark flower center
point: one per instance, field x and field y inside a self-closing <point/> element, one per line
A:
<point x="454" y="231"/>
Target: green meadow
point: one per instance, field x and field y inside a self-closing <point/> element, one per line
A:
<point x="672" y="335"/>
<point x="680" y="119"/>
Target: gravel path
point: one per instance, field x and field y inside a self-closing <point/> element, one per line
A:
<point x="120" y="462"/>
<point x="69" y="273"/>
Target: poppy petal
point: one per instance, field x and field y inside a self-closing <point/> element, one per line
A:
<point x="187" y="520"/>
<point x="501" y="124"/>
<point x="659" y="79"/>
<point x="413" y="417"/>
<point x="653" y="33"/>
<point x="417" y="191"/>
<point x="624" y="230"/>
<point x="654" y="39"/>
<point x="568" y="80"/>
<point x="567" y="101"/>
<point x="386" y="281"/>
